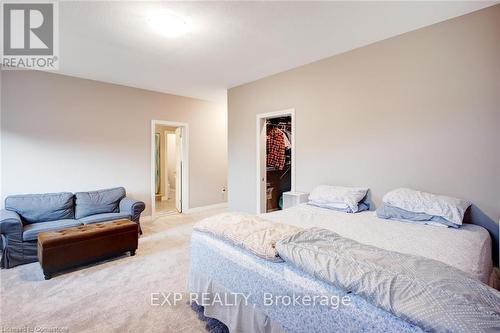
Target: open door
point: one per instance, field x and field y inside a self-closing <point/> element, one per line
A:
<point x="262" y="166"/>
<point x="276" y="171"/>
<point x="178" y="169"/>
<point x="174" y="171"/>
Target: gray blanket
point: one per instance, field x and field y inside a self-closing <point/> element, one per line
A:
<point x="424" y="292"/>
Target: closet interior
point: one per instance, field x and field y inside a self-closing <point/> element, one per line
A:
<point x="278" y="161"/>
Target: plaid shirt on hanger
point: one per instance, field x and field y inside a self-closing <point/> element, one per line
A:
<point x="276" y="147"/>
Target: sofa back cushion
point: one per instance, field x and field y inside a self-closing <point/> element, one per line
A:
<point x="34" y="208"/>
<point x="98" y="202"/>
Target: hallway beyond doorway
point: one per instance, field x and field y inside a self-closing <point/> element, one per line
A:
<point x="167" y="166"/>
<point x="165" y="206"/>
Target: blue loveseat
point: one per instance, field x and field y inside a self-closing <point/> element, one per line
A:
<point x="25" y="216"/>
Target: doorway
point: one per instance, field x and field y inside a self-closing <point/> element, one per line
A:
<point x="275" y="158"/>
<point x="168" y="168"/>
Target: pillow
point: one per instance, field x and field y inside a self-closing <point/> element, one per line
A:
<point x="349" y="196"/>
<point x="35" y="208"/>
<point x="98" y="202"/>
<point x="448" y="208"/>
<point x="342" y="207"/>
<point x="386" y="211"/>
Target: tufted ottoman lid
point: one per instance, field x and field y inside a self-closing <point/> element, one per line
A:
<point x="84" y="232"/>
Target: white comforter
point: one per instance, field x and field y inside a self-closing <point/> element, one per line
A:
<point x="250" y="232"/>
<point x="467" y="248"/>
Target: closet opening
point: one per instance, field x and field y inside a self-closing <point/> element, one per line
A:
<point x="275" y="159"/>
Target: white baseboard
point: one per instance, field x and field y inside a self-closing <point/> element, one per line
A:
<point x="221" y="205"/>
<point x="204" y="208"/>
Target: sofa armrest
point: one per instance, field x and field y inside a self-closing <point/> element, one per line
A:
<point x="133" y="207"/>
<point x="10" y="223"/>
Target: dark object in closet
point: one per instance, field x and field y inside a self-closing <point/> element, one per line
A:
<point x="278" y="161"/>
<point x="276" y="185"/>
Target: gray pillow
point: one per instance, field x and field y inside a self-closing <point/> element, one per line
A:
<point x="449" y="208"/>
<point x="35" y="208"/>
<point x="386" y="211"/>
<point x="98" y="202"/>
<point x="362" y="205"/>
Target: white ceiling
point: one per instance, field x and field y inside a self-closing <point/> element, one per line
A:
<point x="230" y="43"/>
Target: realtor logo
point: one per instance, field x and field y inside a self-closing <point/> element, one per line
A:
<point x="29" y="35"/>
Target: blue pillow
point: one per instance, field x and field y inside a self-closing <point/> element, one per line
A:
<point x="362" y="205"/>
<point x="386" y="211"/>
<point x="98" y="202"/>
<point x="35" y="208"/>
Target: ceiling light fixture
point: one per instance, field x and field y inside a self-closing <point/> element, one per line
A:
<point x="169" y="25"/>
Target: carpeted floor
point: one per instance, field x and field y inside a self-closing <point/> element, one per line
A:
<point x="111" y="296"/>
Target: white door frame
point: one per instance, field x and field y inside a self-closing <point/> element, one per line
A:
<point x="185" y="163"/>
<point x="261" y="169"/>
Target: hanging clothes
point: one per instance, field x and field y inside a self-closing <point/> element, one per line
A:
<point x="276" y="147"/>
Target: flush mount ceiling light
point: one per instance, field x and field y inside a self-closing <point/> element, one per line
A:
<point x="168" y="25"/>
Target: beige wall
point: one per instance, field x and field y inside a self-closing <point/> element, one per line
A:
<point x="60" y="133"/>
<point x="420" y="110"/>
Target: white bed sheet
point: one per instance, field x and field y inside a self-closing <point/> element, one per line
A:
<point x="467" y="248"/>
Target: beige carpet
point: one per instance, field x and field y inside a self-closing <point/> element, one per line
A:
<point x="111" y="296"/>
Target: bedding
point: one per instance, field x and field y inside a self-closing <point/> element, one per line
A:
<point x="386" y="211"/>
<point x="219" y="267"/>
<point x="430" y="294"/>
<point x="341" y="207"/>
<point x="467" y="248"/>
<point x="448" y="208"/>
<point x="349" y="197"/>
<point x="250" y="232"/>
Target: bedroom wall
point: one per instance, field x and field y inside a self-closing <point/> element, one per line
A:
<point x="420" y="110"/>
<point x="60" y="133"/>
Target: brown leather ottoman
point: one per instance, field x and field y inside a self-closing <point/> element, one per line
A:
<point x="59" y="250"/>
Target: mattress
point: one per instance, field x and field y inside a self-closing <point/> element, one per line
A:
<point x="219" y="267"/>
<point x="467" y="248"/>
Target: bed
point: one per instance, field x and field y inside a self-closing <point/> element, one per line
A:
<point x="467" y="248"/>
<point x="219" y="267"/>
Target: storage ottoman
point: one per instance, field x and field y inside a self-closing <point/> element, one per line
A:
<point x="59" y="250"/>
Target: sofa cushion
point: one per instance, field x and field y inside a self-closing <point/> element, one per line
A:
<point x="31" y="231"/>
<point x="97" y="202"/>
<point x="34" y="208"/>
<point x="104" y="217"/>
